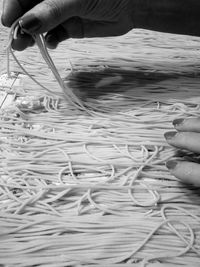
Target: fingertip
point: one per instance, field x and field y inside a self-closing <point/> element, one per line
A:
<point x="6" y="21"/>
<point x="174" y="168"/>
<point x="187" y="125"/>
<point x="18" y="46"/>
<point x="186" y="172"/>
<point x="11" y="10"/>
<point x="51" y="41"/>
<point x="178" y="122"/>
<point x="3" y="22"/>
<point x="56" y="36"/>
<point x="171" y="164"/>
<point x="170" y="135"/>
<point x="4" y="18"/>
<point x="22" y="42"/>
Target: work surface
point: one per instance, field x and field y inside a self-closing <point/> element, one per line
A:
<point x="79" y="189"/>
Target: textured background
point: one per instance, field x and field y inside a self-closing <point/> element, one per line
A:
<point x="161" y="74"/>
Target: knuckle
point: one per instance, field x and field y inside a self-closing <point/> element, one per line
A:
<point x="184" y="139"/>
<point x="53" y="8"/>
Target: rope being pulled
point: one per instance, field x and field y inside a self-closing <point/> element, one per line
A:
<point x="39" y="39"/>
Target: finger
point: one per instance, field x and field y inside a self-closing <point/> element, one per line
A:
<point x="187" y="125"/>
<point x="11" y="11"/>
<point x="22" y="42"/>
<point x="188" y="172"/>
<point x="72" y="28"/>
<point x="184" y="140"/>
<point x="80" y="28"/>
<point x="49" y="14"/>
<point x="14" y="9"/>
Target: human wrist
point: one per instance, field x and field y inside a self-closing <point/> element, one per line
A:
<point x="150" y="14"/>
<point x="172" y="16"/>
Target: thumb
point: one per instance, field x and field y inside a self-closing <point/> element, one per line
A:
<point x="49" y="14"/>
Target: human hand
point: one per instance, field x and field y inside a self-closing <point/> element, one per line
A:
<point x="187" y="137"/>
<point x="63" y="19"/>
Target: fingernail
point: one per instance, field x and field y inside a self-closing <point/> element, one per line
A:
<point x="170" y="135"/>
<point x="171" y="164"/>
<point x="30" y="23"/>
<point x="178" y="122"/>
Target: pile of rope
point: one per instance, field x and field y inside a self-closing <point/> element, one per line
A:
<point x="84" y="182"/>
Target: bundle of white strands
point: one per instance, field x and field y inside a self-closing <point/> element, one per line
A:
<point x="84" y="182"/>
